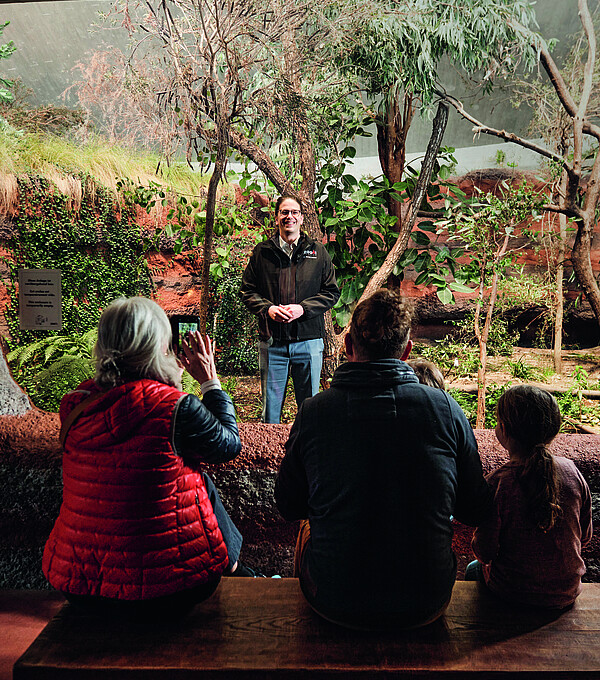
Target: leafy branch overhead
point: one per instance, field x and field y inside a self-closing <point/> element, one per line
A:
<point x="6" y="51"/>
<point x="576" y="98"/>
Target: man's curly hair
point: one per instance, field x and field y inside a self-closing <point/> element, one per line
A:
<point x="380" y="326"/>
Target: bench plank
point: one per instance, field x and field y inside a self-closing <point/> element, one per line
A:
<point x="263" y="629"/>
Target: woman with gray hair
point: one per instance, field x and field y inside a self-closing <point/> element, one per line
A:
<point x="141" y="530"/>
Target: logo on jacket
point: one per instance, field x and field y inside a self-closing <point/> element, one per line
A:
<point x="310" y="254"/>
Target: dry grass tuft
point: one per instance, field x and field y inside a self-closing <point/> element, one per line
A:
<point x="70" y="187"/>
<point x="9" y="194"/>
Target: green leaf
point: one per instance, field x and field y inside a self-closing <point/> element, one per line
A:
<point x="408" y="257"/>
<point x="420" y="238"/>
<point x="460" y="288"/>
<point x="445" y="296"/>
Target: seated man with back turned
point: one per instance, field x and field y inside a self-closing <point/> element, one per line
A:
<point x="378" y="463"/>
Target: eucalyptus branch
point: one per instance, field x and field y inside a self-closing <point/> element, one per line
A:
<point x="569" y="212"/>
<point x="502" y="134"/>
<point x="562" y="91"/>
<point x="592" y="193"/>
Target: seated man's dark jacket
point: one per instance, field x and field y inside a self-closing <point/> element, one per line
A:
<point x="379" y="463"/>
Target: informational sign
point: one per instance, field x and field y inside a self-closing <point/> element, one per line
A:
<point x="40" y="299"/>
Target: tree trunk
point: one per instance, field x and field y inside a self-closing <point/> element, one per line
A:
<point x="558" y="317"/>
<point x="211" y="204"/>
<point x="392" y="130"/>
<point x="481" y="369"/>
<point x="481" y="384"/>
<point x="484" y="335"/>
<point x="383" y="273"/>
<point x="582" y="264"/>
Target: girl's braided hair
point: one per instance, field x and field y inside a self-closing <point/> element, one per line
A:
<point x="531" y="417"/>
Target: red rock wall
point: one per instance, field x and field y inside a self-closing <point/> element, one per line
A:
<point x="30" y="486"/>
<point x="177" y="277"/>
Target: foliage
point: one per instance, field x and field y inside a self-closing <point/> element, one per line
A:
<point x="468" y="403"/>
<point x="49" y="368"/>
<point x="522" y="371"/>
<point x="190" y="385"/>
<point x="115" y="99"/>
<point x="400" y="45"/>
<point x="501" y="338"/>
<point x="550" y="121"/>
<point x="573" y="405"/>
<point x="185" y="217"/>
<point x="458" y="359"/>
<point x="479" y="225"/>
<point x="23" y="115"/>
<point x="354" y="216"/>
<point x="97" y="249"/>
<point x="571" y="125"/>
<point x="232" y="327"/>
<point x="58" y="157"/>
<point x="6" y="50"/>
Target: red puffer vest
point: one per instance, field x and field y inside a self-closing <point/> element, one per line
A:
<point x="135" y="521"/>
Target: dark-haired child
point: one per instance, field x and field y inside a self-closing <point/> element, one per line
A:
<point x="427" y="373"/>
<point x="530" y="549"/>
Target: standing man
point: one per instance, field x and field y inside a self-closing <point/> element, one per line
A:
<point x="376" y="465"/>
<point x="289" y="284"/>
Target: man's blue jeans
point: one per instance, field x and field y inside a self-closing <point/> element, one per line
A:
<point x="303" y="360"/>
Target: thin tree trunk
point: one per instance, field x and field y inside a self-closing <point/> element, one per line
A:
<point x="558" y="317"/>
<point x="481" y="369"/>
<point x="383" y="273"/>
<point x="483" y="338"/>
<point x="211" y="204"/>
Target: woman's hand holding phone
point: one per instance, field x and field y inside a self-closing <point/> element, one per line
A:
<point x="197" y="356"/>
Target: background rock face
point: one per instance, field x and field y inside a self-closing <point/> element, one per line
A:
<point x="31" y="489"/>
<point x="13" y="401"/>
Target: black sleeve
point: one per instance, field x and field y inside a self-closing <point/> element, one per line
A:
<point x="206" y="430"/>
<point x="474" y="498"/>
<point x="249" y="292"/>
<point x="291" y="485"/>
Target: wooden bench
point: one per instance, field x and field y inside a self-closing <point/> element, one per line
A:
<point x="263" y="629"/>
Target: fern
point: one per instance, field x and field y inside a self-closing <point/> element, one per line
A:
<point x="48" y="368"/>
<point x="67" y="367"/>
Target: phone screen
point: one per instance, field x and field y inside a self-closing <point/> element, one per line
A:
<point x="187" y="327"/>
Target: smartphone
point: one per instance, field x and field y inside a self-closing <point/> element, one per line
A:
<point x="182" y="324"/>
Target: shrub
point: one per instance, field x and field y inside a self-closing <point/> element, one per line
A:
<point x="233" y="328"/>
<point x="49" y="368"/>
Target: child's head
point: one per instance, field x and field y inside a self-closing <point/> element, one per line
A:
<point x="528" y="420"/>
<point x="530" y="416"/>
<point x="427" y="373"/>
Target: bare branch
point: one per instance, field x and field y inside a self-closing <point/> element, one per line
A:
<point x="562" y="91"/>
<point x="502" y="134"/>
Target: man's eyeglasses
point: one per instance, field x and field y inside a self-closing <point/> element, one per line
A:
<point x="293" y="213"/>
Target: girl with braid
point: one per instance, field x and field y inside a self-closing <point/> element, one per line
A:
<point x="529" y="551"/>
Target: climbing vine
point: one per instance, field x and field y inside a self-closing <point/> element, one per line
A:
<point x="97" y="246"/>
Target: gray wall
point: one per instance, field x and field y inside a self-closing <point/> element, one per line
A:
<point x="52" y="37"/>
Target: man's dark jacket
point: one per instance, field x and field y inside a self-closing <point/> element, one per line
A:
<point x="379" y="463"/>
<point x="307" y="279"/>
